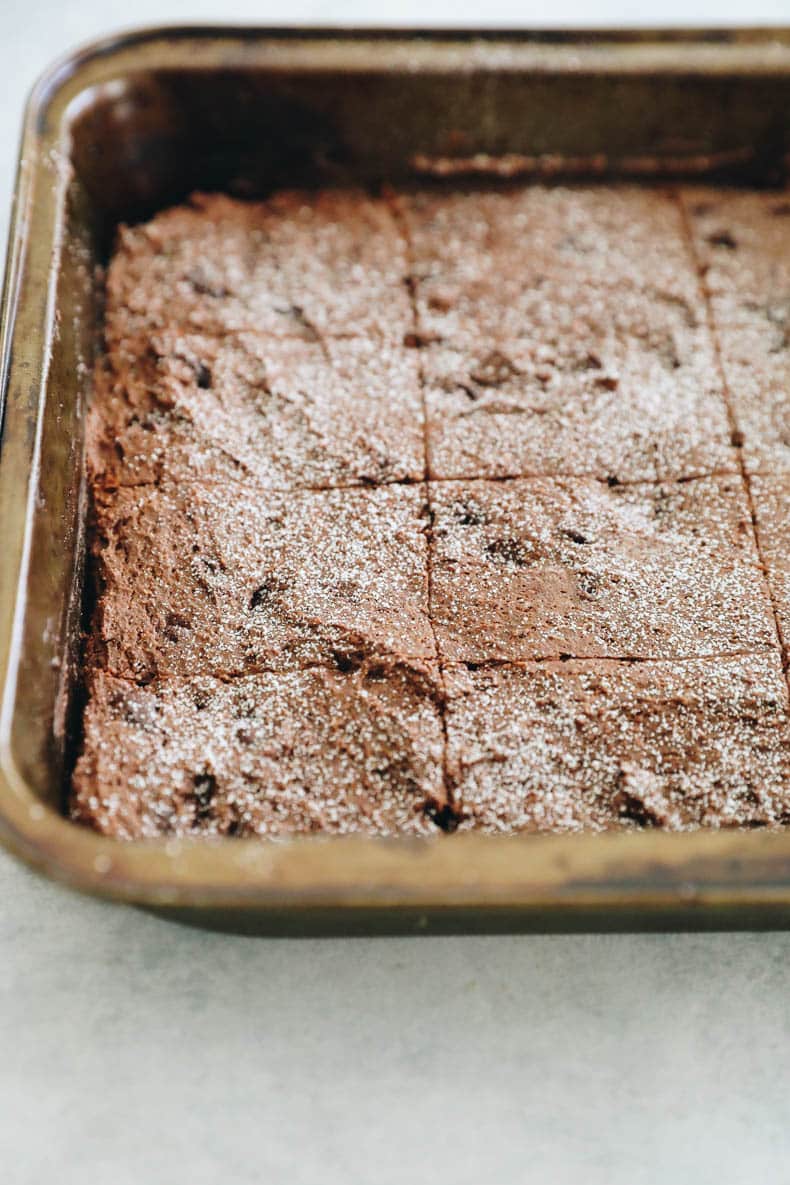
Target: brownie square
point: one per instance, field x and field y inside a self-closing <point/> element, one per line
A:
<point x="277" y="413"/>
<point x="743" y="243"/>
<point x="536" y="569"/>
<point x="610" y="387"/>
<point x="618" y="237"/>
<point x="756" y="362"/>
<point x="329" y="263"/>
<point x="597" y="745"/>
<point x="742" y="240"/>
<point x="565" y="332"/>
<point x="771" y="498"/>
<point x="196" y="580"/>
<point x="264" y="755"/>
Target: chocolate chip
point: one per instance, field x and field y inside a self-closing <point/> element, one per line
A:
<point x="511" y="551"/>
<point x="203" y="377"/>
<point x="634" y="809"/>
<point x="445" y="817"/>
<point x="174" y="624"/>
<point x="261" y="594"/>
<point x="205" y="787"/>
<point x="468" y="514"/>
<point x="346" y="662"/>
<point x="723" y="238"/>
<point x="418" y="341"/>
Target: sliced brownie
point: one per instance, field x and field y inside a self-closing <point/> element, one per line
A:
<point x="264" y="755"/>
<point x="196" y="580"/>
<point x="533" y="569"/>
<point x="566" y="746"/>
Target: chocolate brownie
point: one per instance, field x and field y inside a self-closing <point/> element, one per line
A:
<point x="742" y="244"/>
<point x="313" y="750"/>
<point x="566" y="334"/>
<point x="582" y="392"/>
<point x="194" y="580"/>
<point x="277" y="413"/>
<point x="771" y="499"/>
<point x="756" y="364"/>
<point x="614" y="237"/>
<point x="441" y="509"/>
<point x="741" y="240"/>
<point x="565" y="746"/>
<point x="539" y="568"/>
<point x="331" y="263"/>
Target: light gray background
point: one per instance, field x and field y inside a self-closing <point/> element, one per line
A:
<point x="134" y="1052"/>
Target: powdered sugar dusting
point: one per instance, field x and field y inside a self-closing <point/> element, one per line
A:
<point x="274" y="574"/>
<point x="536" y="569"/>
<point x="565" y="746"/>
<point x="301" y="751"/>
<point x="194" y="581"/>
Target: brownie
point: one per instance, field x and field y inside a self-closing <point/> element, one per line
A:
<point x="441" y="509"/>
<point x="586" y="390"/>
<point x="539" y="568"/>
<point x="194" y="581"/>
<point x="565" y="332"/>
<point x="771" y="498"/>
<point x="741" y="239"/>
<point x="312" y="750"/>
<point x="756" y="364"/>
<point x="620" y="237"/>
<point x="326" y="263"/>
<point x="600" y="745"/>
<point x="278" y="413"/>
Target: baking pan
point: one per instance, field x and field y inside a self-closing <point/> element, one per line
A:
<point x="129" y="125"/>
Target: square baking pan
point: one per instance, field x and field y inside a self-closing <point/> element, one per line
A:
<point x="130" y="125"/>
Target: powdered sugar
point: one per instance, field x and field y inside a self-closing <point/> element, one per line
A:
<point x="264" y="651"/>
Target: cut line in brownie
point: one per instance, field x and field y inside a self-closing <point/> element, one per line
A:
<point x="565" y="332"/>
<point x="267" y="755"/>
<point x="535" y="569"/>
<point x="331" y="262"/>
<point x="597" y="745"/>
<point x="195" y="580"/>
<point x="277" y="413"/>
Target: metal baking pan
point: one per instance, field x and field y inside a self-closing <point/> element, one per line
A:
<point x="129" y="125"/>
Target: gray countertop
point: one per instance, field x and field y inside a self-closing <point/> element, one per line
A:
<point x="136" y="1052"/>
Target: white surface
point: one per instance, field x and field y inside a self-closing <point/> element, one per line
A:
<point x="134" y="1052"/>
